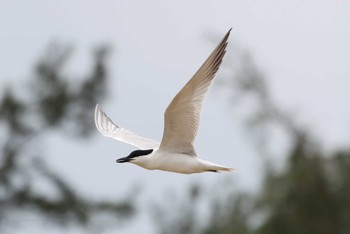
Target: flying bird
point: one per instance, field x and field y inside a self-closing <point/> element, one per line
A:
<point x="176" y="152"/>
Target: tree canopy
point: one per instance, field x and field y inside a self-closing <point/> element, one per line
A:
<point x="50" y="101"/>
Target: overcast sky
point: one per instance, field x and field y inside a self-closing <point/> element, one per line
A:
<point x="301" y="46"/>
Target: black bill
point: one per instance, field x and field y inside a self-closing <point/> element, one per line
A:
<point x="123" y="160"/>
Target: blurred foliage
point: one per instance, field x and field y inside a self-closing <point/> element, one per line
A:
<point x="184" y="220"/>
<point x="53" y="101"/>
<point x="310" y="194"/>
<point x="301" y="199"/>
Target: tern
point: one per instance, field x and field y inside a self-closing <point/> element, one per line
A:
<point x="176" y="152"/>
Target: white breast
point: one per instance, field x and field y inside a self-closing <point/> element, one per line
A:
<point x="179" y="163"/>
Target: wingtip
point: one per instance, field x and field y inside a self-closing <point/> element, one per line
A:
<point x="224" y="41"/>
<point x="97" y="108"/>
<point x="228" y="33"/>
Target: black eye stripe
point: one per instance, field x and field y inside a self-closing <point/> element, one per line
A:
<point x="138" y="153"/>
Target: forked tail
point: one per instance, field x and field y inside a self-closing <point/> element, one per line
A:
<point x="213" y="167"/>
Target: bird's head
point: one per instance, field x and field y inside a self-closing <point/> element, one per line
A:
<point x="137" y="157"/>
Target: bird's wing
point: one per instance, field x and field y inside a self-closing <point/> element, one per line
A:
<point x="181" y="118"/>
<point x="109" y="129"/>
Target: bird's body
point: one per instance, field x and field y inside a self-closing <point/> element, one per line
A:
<point x="176" y="152"/>
<point x="176" y="162"/>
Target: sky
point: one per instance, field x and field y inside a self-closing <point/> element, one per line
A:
<point x="302" y="47"/>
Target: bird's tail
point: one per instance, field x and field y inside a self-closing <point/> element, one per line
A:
<point x="213" y="167"/>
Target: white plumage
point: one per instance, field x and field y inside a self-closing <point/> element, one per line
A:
<point x="176" y="152"/>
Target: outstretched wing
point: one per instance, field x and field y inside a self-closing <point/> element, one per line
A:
<point x="181" y="118"/>
<point x="109" y="129"/>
